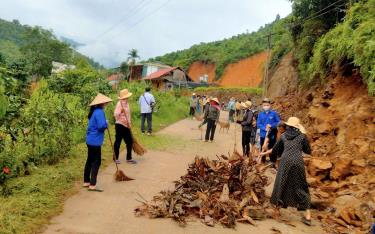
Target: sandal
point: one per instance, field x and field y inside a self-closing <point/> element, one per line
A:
<point x="96" y="189"/>
<point x="306" y="221"/>
<point x="131" y="161"/>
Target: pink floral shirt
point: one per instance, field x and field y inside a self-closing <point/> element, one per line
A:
<point x="122" y="113"/>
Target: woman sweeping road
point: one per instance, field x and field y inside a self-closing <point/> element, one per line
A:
<point x="291" y="188"/>
<point x="94" y="140"/>
<point x="122" y="126"/>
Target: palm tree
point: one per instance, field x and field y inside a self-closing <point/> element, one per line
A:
<point x="132" y="56"/>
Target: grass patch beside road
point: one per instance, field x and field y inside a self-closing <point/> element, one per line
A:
<point x="34" y="199"/>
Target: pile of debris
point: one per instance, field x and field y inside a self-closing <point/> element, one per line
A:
<point x="225" y="191"/>
<point x="344" y="192"/>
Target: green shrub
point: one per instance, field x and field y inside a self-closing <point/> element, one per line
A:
<point x="50" y="122"/>
<point x="353" y="41"/>
<point x="84" y="81"/>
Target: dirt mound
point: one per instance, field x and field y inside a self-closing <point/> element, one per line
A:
<point x="284" y="78"/>
<point x="199" y="69"/>
<point x="245" y="73"/>
<point x="340" y="119"/>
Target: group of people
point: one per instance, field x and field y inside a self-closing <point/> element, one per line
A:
<point x="97" y="124"/>
<point x="263" y="133"/>
<point x="210" y="108"/>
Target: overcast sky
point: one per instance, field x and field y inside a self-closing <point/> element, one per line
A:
<point x="110" y="28"/>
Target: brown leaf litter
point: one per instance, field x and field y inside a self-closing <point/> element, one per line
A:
<point x="225" y="191"/>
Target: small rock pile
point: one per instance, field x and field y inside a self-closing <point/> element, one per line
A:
<point x="344" y="192"/>
<point x="225" y="191"/>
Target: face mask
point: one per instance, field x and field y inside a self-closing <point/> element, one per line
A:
<point x="266" y="108"/>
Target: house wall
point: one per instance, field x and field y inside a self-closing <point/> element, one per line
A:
<point x="158" y="84"/>
<point x="179" y="75"/>
<point x="151" y="68"/>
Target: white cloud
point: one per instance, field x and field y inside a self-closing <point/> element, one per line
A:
<point x="177" y="25"/>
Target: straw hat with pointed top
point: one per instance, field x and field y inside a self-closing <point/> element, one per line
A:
<point x="246" y="104"/>
<point x="215" y="100"/>
<point x="100" y="99"/>
<point x="124" y="94"/>
<point x="295" y="122"/>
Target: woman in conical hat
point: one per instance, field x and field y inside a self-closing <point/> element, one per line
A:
<point x="123" y="125"/>
<point x="94" y="140"/>
<point x="247" y="127"/>
<point x="291" y="188"/>
<point x="212" y="117"/>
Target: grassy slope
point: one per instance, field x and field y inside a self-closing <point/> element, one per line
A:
<point x="41" y="195"/>
<point x="233" y="49"/>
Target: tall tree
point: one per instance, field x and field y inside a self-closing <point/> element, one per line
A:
<point x="132" y="57"/>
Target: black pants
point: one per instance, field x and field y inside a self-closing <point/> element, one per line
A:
<point x="271" y="143"/>
<point x="246" y="142"/>
<point x="94" y="159"/>
<point x="147" y="116"/>
<point x="192" y="111"/>
<point x="123" y="133"/>
<point x="210" y="131"/>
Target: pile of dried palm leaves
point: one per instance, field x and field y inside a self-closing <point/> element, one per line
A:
<point x="216" y="191"/>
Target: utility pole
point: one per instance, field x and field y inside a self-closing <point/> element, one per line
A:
<point x="265" y="75"/>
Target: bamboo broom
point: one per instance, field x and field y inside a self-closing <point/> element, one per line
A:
<point x="119" y="174"/>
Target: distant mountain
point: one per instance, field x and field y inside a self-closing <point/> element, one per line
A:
<point x="74" y="44"/>
<point x="17" y="39"/>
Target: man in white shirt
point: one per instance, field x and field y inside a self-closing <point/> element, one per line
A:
<point x="146" y="102"/>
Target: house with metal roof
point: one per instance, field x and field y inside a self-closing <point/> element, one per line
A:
<point x="172" y="77"/>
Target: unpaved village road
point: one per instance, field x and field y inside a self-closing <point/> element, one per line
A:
<point x="112" y="211"/>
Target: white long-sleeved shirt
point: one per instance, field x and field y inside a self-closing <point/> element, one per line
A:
<point x="145" y="102"/>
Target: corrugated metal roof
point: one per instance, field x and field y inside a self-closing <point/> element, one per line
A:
<point x="160" y="73"/>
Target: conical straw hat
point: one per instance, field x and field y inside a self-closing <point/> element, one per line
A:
<point x="246" y="104"/>
<point x="295" y="122"/>
<point x="215" y="100"/>
<point x="100" y="99"/>
<point x="124" y="94"/>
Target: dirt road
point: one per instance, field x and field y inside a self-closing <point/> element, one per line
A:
<point x="112" y="210"/>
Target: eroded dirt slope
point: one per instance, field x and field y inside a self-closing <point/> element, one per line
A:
<point x="198" y="69"/>
<point x="245" y="73"/>
<point x="340" y="119"/>
<point x="284" y="78"/>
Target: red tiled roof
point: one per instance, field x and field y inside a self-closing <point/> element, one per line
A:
<point x="160" y="73"/>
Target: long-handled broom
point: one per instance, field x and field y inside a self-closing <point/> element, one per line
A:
<point x="119" y="174"/>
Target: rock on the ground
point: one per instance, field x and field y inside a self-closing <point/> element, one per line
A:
<point x="341" y="168"/>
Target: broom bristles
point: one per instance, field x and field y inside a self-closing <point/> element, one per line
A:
<point x="120" y="176"/>
<point x="138" y="148"/>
